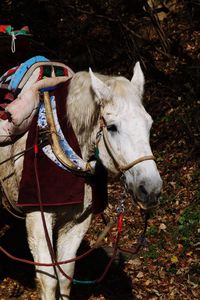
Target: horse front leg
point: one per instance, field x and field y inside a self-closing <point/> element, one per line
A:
<point x="67" y="245"/>
<point x="45" y="276"/>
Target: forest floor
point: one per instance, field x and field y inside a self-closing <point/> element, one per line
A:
<point x="167" y="266"/>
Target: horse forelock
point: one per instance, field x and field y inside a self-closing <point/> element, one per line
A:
<point x="124" y="99"/>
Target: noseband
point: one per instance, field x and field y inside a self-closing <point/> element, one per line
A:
<point x="120" y="166"/>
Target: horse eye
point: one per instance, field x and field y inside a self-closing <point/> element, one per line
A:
<point x="112" y="128"/>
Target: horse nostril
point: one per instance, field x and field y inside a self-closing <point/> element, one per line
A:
<point x="143" y="190"/>
<point x="147" y="199"/>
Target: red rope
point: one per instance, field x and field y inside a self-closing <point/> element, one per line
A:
<point x="50" y="247"/>
<point x="30" y="262"/>
<point x="120" y="222"/>
<point x="49" y="244"/>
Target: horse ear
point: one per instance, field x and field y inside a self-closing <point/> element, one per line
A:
<point x="101" y="90"/>
<point x="138" y="78"/>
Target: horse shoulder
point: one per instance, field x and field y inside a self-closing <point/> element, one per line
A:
<point x="11" y="171"/>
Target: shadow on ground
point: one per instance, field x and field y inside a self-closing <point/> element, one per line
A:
<point x="115" y="286"/>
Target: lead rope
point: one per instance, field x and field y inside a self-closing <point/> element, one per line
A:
<point x="144" y="214"/>
<point x="142" y="239"/>
<point x="120" y="211"/>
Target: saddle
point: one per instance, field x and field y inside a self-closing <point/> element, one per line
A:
<point x="17" y="108"/>
<point x="19" y="114"/>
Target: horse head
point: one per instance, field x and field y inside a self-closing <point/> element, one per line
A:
<point x="123" y="142"/>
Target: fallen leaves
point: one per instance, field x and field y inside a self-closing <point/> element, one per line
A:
<point x="174" y="259"/>
<point x="140" y="275"/>
<point x="135" y="262"/>
<point x="10" y="288"/>
<point x="162" y="227"/>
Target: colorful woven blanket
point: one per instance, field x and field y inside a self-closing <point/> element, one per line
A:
<point x="18" y="101"/>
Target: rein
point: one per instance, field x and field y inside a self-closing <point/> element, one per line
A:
<point x="58" y="264"/>
<point x="97" y="244"/>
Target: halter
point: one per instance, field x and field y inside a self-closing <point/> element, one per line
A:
<point x="120" y="166"/>
<point x="88" y="167"/>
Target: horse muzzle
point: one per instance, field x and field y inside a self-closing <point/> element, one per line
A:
<point x="146" y="192"/>
<point x="147" y="200"/>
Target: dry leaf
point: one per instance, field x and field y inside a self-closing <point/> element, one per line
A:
<point x="162" y="227"/>
<point x="140" y="275"/>
<point x="189" y="253"/>
<point x="174" y="259"/>
<point x="147" y="282"/>
<point x="135" y="262"/>
<point x="180" y="247"/>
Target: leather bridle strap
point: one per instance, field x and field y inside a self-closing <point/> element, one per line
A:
<point x="137" y="161"/>
<point x="119" y="166"/>
<point x="88" y="167"/>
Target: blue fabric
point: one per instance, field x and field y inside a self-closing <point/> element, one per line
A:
<point x="21" y="71"/>
<point x="70" y="153"/>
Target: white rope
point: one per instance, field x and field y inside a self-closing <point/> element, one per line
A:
<point x="13" y="47"/>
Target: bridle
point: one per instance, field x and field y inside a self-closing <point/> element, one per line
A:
<point x="88" y="166"/>
<point x="121" y="166"/>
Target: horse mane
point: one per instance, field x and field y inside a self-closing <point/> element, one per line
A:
<point x="83" y="111"/>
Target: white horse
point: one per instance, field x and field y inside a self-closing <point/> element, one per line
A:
<point x="123" y="147"/>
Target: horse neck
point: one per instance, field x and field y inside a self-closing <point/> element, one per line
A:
<point x="86" y="137"/>
<point x="83" y="113"/>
